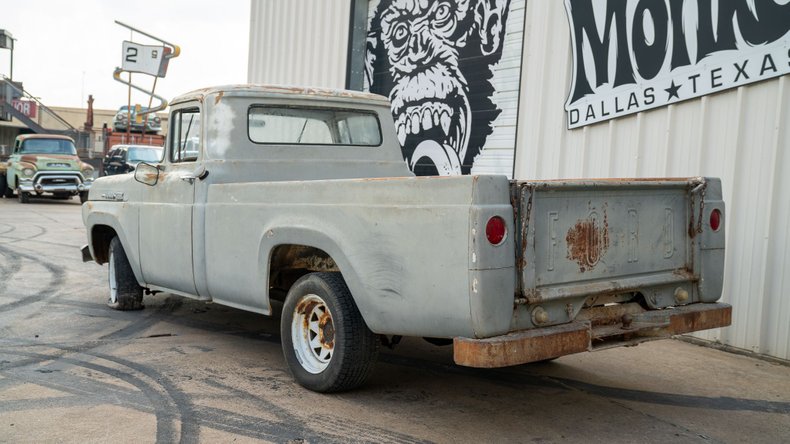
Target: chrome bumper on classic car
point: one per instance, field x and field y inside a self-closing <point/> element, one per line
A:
<point x="55" y="182"/>
<point x="602" y="327"/>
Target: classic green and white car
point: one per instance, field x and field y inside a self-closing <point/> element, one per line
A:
<point x="45" y="163"/>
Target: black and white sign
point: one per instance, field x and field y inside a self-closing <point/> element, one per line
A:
<point x="439" y="64"/>
<point x="144" y="59"/>
<point x="631" y="56"/>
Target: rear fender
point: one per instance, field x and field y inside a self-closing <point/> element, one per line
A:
<point x="274" y="237"/>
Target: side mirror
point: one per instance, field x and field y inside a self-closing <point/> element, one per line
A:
<point x="147" y="174"/>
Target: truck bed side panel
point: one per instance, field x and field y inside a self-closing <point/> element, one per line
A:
<point x="400" y="244"/>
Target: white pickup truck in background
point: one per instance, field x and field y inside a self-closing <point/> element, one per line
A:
<point x="302" y="195"/>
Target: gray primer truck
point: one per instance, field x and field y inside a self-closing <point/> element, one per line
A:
<point x="301" y="195"/>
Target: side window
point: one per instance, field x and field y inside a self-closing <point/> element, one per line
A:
<point x="185" y="139"/>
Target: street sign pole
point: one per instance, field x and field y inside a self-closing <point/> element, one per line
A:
<point x="144" y="59"/>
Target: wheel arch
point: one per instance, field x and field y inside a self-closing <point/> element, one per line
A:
<point x="305" y="250"/>
<point x="101" y="236"/>
<point x="102" y="230"/>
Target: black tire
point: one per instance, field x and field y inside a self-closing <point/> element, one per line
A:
<point x="83" y="196"/>
<point x="3" y="185"/>
<point x="9" y="192"/>
<point x="353" y="346"/>
<point x="128" y="295"/>
<point x="23" y="197"/>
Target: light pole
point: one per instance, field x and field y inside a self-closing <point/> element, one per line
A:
<point x="7" y="42"/>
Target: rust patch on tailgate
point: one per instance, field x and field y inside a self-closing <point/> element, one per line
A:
<point x="588" y="240"/>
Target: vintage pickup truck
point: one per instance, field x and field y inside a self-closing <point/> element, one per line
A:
<point x="45" y="163"/>
<point x="301" y="195"/>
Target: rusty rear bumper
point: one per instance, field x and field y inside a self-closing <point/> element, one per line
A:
<point x="586" y="335"/>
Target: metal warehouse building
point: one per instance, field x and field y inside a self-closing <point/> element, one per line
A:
<point x="577" y="89"/>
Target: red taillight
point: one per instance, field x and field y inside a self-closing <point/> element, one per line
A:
<point x="496" y="230"/>
<point x="715" y="220"/>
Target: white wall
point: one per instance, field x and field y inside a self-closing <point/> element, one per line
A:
<point x="299" y="42"/>
<point x="741" y="135"/>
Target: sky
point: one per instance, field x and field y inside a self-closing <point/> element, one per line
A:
<point x="65" y="50"/>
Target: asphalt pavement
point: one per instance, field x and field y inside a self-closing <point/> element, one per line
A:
<point x="74" y="370"/>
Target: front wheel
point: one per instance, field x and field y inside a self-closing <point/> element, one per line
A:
<point x="23" y="196"/>
<point x="8" y="192"/>
<point x="326" y="343"/>
<point x="125" y="293"/>
<point x="83" y="196"/>
<point x="3" y="185"/>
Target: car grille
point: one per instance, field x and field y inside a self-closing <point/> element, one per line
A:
<point x="59" y="180"/>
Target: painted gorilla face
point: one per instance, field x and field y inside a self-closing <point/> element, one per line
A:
<point x="424" y="43"/>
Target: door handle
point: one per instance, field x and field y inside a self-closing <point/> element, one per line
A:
<point x="201" y="173"/>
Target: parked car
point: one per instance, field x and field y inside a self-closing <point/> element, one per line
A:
<point x="45" y="163"/>
<point x="124" y="158"/>
<point x="121" y="121"/>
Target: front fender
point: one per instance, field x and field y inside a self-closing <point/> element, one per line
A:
<point x="96" y="213"/>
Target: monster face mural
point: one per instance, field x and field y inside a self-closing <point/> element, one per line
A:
<point x="433" y="60"/>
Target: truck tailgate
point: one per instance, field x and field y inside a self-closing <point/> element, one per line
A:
<point x="595" y="237"/>
<point x="607" y="263"/>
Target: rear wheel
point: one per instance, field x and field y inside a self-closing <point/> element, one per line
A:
<point x="125" y="293"/>
<point x="326" y="343"/>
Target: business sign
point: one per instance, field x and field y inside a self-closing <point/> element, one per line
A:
<point x="145" y="59"/>
<point x="634" y="55"/>
<point x="26" y="107"/>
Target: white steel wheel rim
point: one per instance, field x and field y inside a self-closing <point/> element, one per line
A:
<point x="313" y="334"/>
<point x="113" y="280"/>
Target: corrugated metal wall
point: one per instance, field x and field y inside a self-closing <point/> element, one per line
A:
<point x="741" y="135"/>
<point x="299" y="42"/>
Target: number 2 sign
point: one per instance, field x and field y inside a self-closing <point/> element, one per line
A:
<point x="145" y="59"/>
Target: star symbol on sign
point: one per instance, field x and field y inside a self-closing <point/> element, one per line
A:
<point x="673" y="91"/>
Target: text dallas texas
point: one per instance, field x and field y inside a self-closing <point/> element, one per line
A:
<point x="631" y="56"/>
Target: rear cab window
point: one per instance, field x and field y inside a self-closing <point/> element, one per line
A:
<point x="298" y="125"/>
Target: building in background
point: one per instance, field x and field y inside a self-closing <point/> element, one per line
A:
<point x="549" y="89"/>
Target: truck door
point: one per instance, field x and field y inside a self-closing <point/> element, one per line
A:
<point x="166" y="214"/>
